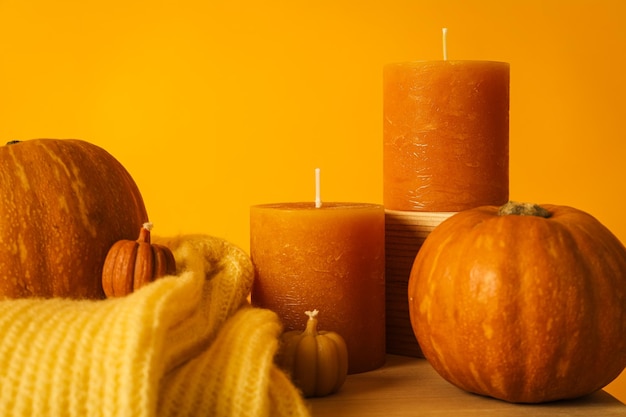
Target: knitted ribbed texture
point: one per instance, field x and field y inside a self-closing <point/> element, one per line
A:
<point x="186" y="345"/>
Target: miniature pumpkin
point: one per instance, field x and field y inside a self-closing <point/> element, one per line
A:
<point x="523" y="303"/>
<point x="131" y="264"/>
<point x="63" y="203"/>
<point x="316" y="361"/>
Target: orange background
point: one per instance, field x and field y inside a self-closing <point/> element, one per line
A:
<point x="215" y="105"/>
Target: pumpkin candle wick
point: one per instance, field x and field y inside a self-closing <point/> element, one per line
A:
<point x="144" y="233"/>
<point x="445" y="43"/>
<point x="318" y="198"/>
<point x="311" y="324"/>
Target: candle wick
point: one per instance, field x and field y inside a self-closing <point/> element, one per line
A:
<point x="445" y="43"/>
<point x="318" y="199"/>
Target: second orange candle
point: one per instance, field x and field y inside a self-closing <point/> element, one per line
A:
<point x="445" y="135"/>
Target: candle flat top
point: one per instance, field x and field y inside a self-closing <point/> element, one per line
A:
<point x="449" y="62"/>
<point x="310" y="205"/>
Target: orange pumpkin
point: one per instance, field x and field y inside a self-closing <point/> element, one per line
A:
<point x="63" y="203"/>
<point x="524" y="303"/>
<point x="131" y="264"/>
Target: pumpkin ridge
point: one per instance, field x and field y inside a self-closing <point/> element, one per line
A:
<point x="125" y="269"/>
<point x="144" y="265"/>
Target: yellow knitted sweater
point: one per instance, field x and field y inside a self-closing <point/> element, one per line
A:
<point x="185" y="345"/>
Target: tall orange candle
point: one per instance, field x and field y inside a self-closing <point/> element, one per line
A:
<point x="445" y="135"/>
<point x="330" y="258"/>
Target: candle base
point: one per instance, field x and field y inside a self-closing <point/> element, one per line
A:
<point x="405" y="231"/>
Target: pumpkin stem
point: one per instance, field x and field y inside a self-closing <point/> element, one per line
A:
<point x="311" y="324"/>
<point x="13" y="142"/>
<point x="144" y="233"/>
<point x="523" y="209"/>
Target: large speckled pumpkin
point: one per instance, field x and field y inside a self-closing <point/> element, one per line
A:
<point x="63" y="203"/>
<point x="524" y="303"/>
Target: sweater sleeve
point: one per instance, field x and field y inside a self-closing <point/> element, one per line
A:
<point x="185" y="345"/>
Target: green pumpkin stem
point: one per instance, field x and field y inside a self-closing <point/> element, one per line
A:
<point x="523" y="209"/>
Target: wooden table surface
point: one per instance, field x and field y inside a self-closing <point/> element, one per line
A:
<point x="408" y="386"/>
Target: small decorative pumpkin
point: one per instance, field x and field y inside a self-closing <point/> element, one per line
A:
<point x="131" y="264"/>
<point x="523" y="303"/>
<point x="63" y="203"/>
<point x="316" y="361"/>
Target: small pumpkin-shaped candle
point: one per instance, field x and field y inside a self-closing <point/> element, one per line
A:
<point x="317" y="361"/>
<point x="131" y="264"/>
